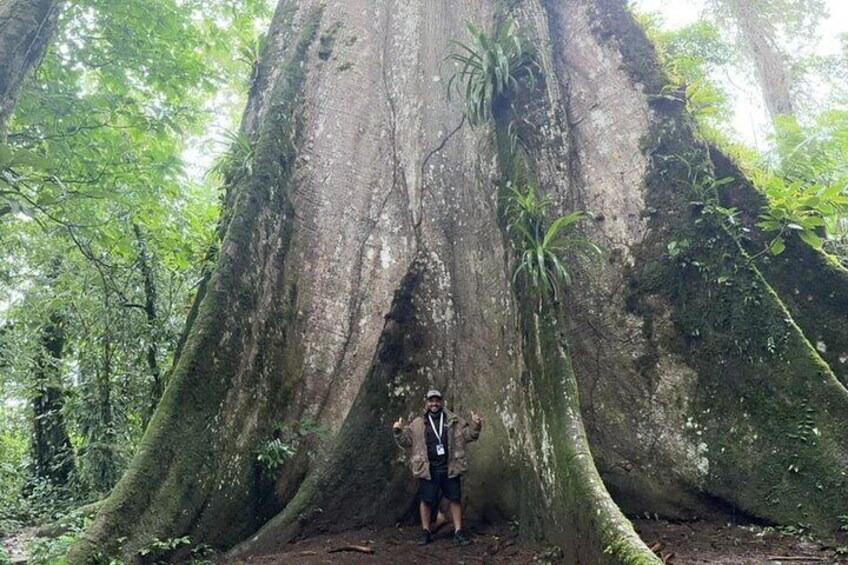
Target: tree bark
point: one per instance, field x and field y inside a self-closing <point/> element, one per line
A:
<point x="52" y="453"/>
<point x="363" y="262"/>
<point x="102" y="456"/>
<point x="152" y="354"/>
<point x="26" y="29"/>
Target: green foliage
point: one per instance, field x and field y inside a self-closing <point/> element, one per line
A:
<point x="158" y="548"/>
<point x="93" y="184"/>
<point x="807" y="181"/>
<point x="274" y="453"/>
<point x="816" y="152"/>
<point x="30" y="500"/>
<point x="490" y="68"/>
<point x="238" y="161"/>
<point x="52" y="550"/>
<point x="843" y="522"/>
<point x="542" y="248"/>
<point x="287" y="441"/>
<point x="14" y="446"/>
<point x="690" y="57"/>
<point x="792" y="209"/>
<point x="162" y="551"/>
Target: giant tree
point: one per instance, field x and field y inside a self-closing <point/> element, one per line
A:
<point x="365" y="257"/>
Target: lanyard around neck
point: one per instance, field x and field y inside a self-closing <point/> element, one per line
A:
<point x="441" y="426"/>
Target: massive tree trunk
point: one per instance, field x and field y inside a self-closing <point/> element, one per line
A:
<point x="26" y="27"/>
<point x="364" y="261"/>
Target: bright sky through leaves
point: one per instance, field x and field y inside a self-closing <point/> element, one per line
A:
<point x="750" y="119"/>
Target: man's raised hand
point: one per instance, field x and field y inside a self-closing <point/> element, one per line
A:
<point x="399" y="424"/>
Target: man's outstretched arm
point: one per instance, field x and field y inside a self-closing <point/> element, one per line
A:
<point x="403" y="435"/>
<point x="472" y="431"/>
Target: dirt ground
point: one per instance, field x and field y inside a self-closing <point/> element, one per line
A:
<point x="697" y="543"/>
<point x="693" y="543"/>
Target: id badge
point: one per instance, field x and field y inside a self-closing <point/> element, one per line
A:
<point x="440" y="450"/>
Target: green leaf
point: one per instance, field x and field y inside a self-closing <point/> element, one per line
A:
<point x="777" y="246"/>
<point x="811" y="238"/>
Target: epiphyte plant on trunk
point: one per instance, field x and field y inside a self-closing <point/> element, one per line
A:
<point x="287" y="441"/>
<point x="490" y="68"/>
<point x="542" y="248"/>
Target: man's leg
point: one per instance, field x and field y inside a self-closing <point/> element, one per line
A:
<point x="456" y="514"/>
<point x="452" y="489"/>
<point x="428" y="492"/>
<point x="426" y="515"/>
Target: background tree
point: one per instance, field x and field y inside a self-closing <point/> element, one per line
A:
<point x="93" y="173"/>
<point x="52" y="453"/>
<point x="768" y="31"/>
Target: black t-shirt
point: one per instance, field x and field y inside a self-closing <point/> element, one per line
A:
<point x="437" y="462"/>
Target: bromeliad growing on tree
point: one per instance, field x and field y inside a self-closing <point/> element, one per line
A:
<point x="490" y="68"/>
<point x="542" y="247"/>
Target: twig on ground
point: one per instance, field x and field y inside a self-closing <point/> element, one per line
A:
<point x="790" y="558"/>
<point x="358" y="548"/>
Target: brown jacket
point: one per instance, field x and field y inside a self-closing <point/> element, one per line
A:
<point x="414" y="435"/>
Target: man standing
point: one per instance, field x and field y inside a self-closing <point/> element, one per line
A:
<point x="438" y="460"/>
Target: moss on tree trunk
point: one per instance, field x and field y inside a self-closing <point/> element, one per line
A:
<point x="566" y="501"/>
<point x="814" y="287"/>
<point x="766" y="407"/>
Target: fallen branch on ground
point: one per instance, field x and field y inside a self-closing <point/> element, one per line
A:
<point x="789" y="558"/>
<point x="359" y="548"/>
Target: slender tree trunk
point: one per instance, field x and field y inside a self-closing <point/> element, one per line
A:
<point x="101" y="452"/>
<point x="363" y="262"/>
<point x="152" y="322"/>
<point x="52" y="453"/>
<point x="26" y="29"/>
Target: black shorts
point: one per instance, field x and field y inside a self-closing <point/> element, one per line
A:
<point x="450" y="488"/>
